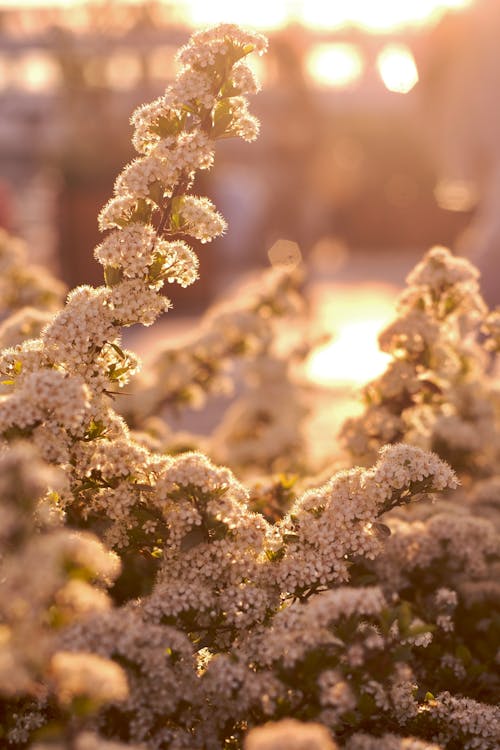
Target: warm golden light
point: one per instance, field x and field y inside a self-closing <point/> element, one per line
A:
<point x="284" y="254"/>
<point x="264" y="15"/>
<point x="5" y="73"/>
<point x="123" y="69"/>
<point x="397" y="68"/>
<point x="36" y="71"/>
<point x="162" y="62"/>
<point x="353" y="357"/>
<point x="456" y="194"/>
<point x="337" y="65"/>
<point x="382" y="15"/>
<point x="355" y="315"/>
<point x="369" y="15"/>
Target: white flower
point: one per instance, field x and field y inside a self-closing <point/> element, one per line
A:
<point x="200" y="219"/>
<point x="88" y="675"/>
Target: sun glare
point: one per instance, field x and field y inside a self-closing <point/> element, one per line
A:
<point x="380" y="16"/>
<point x="354" y="315"/>
<point x="338" y="65"/>
<point x="397" y="68"/>
<point x="352" y="358"/>
<point x="264" y="15"/>
<point x="36" y="72"/>
<point x="368" y="15"/>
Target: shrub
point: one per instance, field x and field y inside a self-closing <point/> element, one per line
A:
<point x="146" y="600"/>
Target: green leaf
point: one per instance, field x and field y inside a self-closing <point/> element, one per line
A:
<point x="350" y="718"/>
<point x="404" y="618"/>
<point x="55" y="618"/>
<point x="112" y="275"/>
<point x="402" y="653"/>
<point x="168" y="126"/>
<point x="193" y="538"/>
<point x="122" y="222"/>
<point x="229" y="89"/>
<point x="95" y="430"/>
<point x="53" y="730"/>
<point x="172" y="654"/>
<point x="84" y="705"/>
<point x="424" y="627"/>
<point x="176" y="203"/>
<point x="115" y="373"/>
<point x="367" y="705"/>
<point x="77" y="572"/>
<point x="14" y="432"/>
<point x="216" y="529"/>
<point x="316" y="512"/>
<point x="275" y="555"/>
<point x="156" y="268"/>
<point x="222" y="118"/>
<point x="142" y="213"/>
<point x="118" y="350"/>
<point x="176" y="220"/>
<point x="156" y="192"/>
<point x="381" y="530"/>
<point x="463" y="653"/>
<point x="287" y="481"/>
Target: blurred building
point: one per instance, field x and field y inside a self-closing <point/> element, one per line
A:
<point x="343" y="152"/>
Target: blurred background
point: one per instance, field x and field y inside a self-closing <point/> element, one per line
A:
<point x="380" y="137"/>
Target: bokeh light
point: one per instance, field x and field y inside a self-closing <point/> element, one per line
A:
<point x="367" y="15"/>
<point x="338" y="65"/>
<point x="354" y="315"/>
<point x="397" y="68"/>
<point x="35" y="71"/>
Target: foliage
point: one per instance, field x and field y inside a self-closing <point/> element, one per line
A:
<point x="150" y="599"/>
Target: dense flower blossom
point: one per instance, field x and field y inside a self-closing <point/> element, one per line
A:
<point x="346" y="609"/>
<point x="21" y="283"/>
<point x="83" y="674"/>
<point x="158" y="663"/>
<point x="346" y="509"/>
<point x="243" y="329"/>
<point x="437" y="392"/>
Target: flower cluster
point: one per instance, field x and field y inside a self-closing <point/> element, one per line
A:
<point x="203" y="363"/>
<point x="346" y="509"/>
<point x="242" y="346"/>
<point x="23" y="284"/>
<point x="436" y="392"/>
<point x="51" y="577"/>
<point x="59" y="384"/>
<point x="348" y="616"/>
